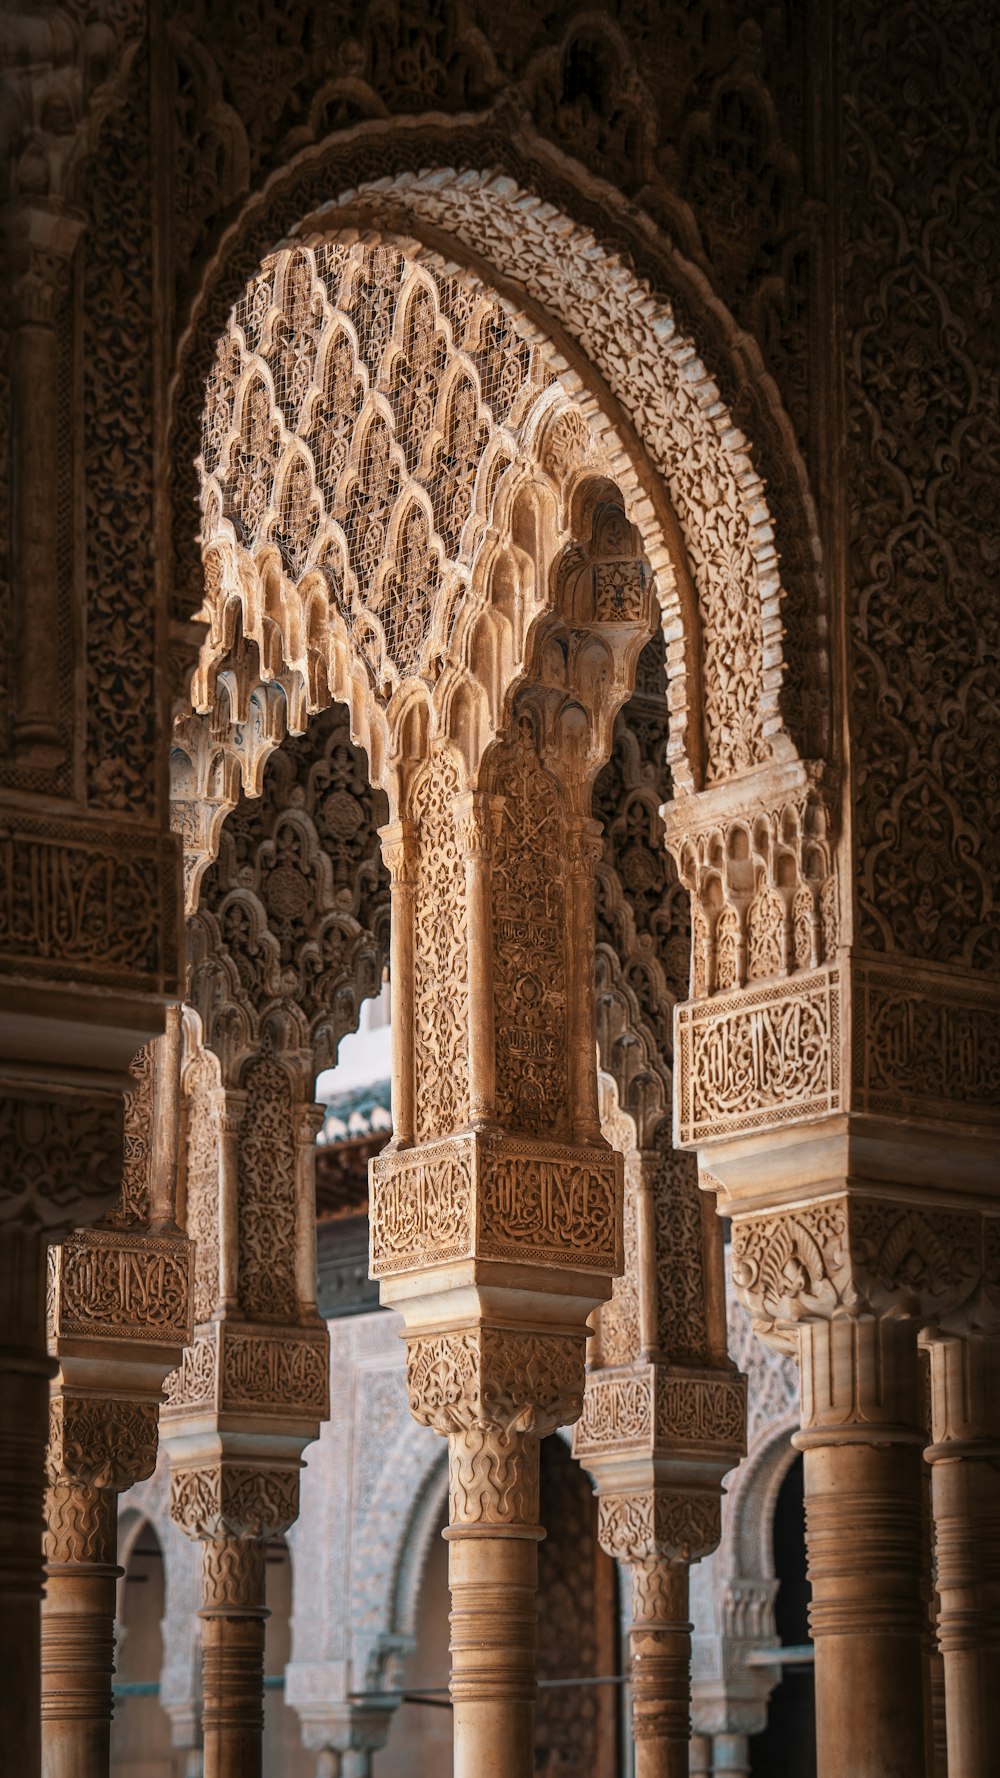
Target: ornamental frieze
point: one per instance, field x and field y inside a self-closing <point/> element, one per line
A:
<point x="660" y="1411"/>
<point x="112" y="1282"/>
<point x="229" y="1370"/>
<point x="759" y="1059"/>
<point x="495" y="1198"/>
<point x="926" y="1045"/>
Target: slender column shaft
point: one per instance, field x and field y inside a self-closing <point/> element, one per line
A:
<point x="868" y="1617"/>
<point x="584" y="1109"/>
<point x="25" y="1369"/>
<point x="398" y="846"/>
<point x="965" y="1486"/>
<point x="233" y="1617"/>
<point x="493" y="1581"/>
<point x="229" y="1201"/>
<point x="731" y="1756"/>
<point x="78" y="1615"/>
<point x="700" y="1759"/>
<point x="862" y="1440"/>
<point x="475" y="821"/>
<point x="660" y="1649"/>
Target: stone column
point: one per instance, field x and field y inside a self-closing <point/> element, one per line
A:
<point x="233" y="1507"/>
<point x="658" y="1437"/>
<point x="254" y="1384"/>
<point x="847" y="1279"/>
<point x="233" y="1616"/>
<point x="497" y="1229"/>
<point x="119" y="1319"/>
<point x="965" y="1482"/>
<point x="493" y="1393"/>
<point x="97" y="1448"/>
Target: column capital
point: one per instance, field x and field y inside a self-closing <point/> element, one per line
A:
<point x="659" y="1524"/>
<point x="40" y="240"/>
<point x="106" y="1443"/>
<point x="400" y="851"/>
<point x="227" y="1498"/>
<point x="478" y="815"/>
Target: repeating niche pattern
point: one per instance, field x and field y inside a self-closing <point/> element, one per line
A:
<point x="529" y="941"/>
<point x="441" y="1017"/>
<point x="353" y="412"/>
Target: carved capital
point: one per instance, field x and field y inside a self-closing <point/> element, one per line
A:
<point x="478" y="818"/>
<point x="662" y="1412"/>
<point x="847" y="1255"/>
<point x="39" y="243"/>
<point x="494" y="1392"/>
<point x="495" y="1377"/>
<point x="234" y="1500"/>
<point x="400" y="852"/>
<point x="657" y="1523"/>
<point x="105" y="1443"/>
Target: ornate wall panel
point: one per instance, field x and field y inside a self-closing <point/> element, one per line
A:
<point x="922" y="470"/>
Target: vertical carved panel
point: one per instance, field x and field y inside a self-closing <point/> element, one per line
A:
<point x="529" y="930"/>
<point x="440" y="958"/>
<point x="267" y="1194"/>
<point x="202" y="1097"/>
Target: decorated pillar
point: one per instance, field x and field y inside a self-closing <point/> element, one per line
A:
<point x="497" y="1229"/>
<point x="119" y="1318"/>
<point x="658" y="1436"/>
<point x="846" y="1281"/>
<point x="964" y="1455"/>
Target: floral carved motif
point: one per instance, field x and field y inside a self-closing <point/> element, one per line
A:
<point x="268" y="1201"/>
<point x="634" y="1527"/>
<point x="234" y="1500"/>
<point x="528" y="882"/>
<point x="102" y="1443"/>
<point x="441" y="1016"/>
<point x="926" y="1046"/>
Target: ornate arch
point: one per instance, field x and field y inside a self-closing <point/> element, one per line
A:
<point x="585" y="301"/>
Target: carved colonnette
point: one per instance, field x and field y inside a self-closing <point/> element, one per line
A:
<point x="119" y="1317"/>
<point x="664" y="1410"/>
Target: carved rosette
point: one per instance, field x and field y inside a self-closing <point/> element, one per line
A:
<point x="494" y="1392"/>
